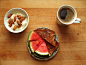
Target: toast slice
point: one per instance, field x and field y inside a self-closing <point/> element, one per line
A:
<point x="51" y="48"/>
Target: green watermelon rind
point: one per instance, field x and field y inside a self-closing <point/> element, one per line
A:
<point x="30" y="45"/>
<point x="29" y="36"/>
<point x="44" y="58"/>
<point x="44" y="54"/>
<point x="37" y="56"/>
<point x="40" y="56"/>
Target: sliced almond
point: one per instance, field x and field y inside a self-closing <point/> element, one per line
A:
<point x="9" y="21"/>
<point x="9" y="15"/>
<point x="12" y="22"/>
<point x="19" y="25"/>
<point x="14" y="18"/>
<point x="14" y="28"/>
<point x="19" y="16"/>
<point x="10" y="25"/>
<point x="18" y="21"/>
<point x="23" y="18"/>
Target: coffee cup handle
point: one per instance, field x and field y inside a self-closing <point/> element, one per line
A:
<point x="78" y="20"/>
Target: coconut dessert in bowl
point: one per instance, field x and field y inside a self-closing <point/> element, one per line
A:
<point x="43" y="43"/>
<point x="16" y="20"/>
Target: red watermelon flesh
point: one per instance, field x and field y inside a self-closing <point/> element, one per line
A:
<point x="33" y="36"/>
<point x="42" y="49"/>
<point x="34" y="45"/>
<point x="37" y="43"/>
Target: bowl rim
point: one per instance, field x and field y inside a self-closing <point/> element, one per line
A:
<point x="21" y="29"/>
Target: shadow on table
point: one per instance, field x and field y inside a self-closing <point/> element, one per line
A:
<point x="17" y="37"/>
<point x="53" y="58"/>
<point x="63" y="29"/>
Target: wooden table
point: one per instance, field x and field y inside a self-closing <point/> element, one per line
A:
<point x="42" y="13"/>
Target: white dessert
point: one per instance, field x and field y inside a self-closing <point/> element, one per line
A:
<point x="24" y="22"/>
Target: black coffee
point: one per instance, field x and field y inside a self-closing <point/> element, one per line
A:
<point x="66" y="15"/>
<point x="63" y="14"/>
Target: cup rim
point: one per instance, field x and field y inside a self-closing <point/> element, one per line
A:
<point x="75" y="14"/>
<point x="21" y="29"/>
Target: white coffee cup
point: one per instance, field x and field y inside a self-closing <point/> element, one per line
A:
<point x="74" y="20"/>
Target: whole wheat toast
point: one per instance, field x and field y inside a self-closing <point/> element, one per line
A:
<point x="51" y="48"/>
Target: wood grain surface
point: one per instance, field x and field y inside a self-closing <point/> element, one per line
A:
<point x="42" y="13"/>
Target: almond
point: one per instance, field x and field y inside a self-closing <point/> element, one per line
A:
<point x="14" y="18"/>
<point x="19" y="16"/>
<point x="9" y="15"/>
<point x="23" y="18"/>
<point x="12" y="22"/>
<point x="9" y="21"/>
<point x="10" y="25"/>
<point x="18" y="21"/>
<point x="19" y="25"/>
<point x="14" y="27"/>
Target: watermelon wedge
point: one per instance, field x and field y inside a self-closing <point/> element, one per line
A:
<point x="42" y="49"/>
<point x="33" y="36"/>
